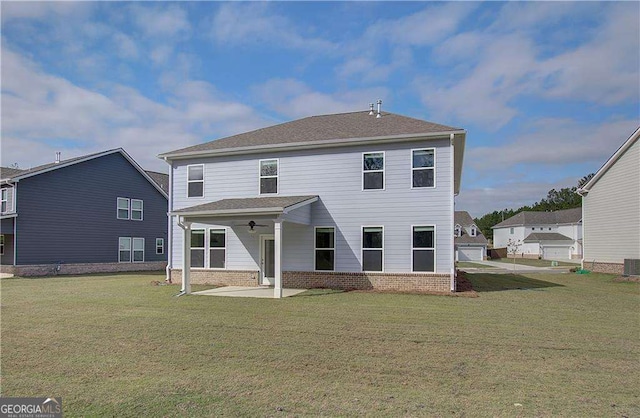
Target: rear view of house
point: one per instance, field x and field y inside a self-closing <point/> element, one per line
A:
<point x="96" y="213"/>
<point x="611" y="204"/>
<point x="360" y="200"/>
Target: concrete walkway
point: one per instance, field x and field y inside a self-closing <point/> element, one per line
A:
<point x="5" y="275"/>
<point x="247" y="292"/>
<point x="499" y="267"/>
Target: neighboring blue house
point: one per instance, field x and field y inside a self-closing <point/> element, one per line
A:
<point x="97" y="213"/>
<point x="360" y="200"/>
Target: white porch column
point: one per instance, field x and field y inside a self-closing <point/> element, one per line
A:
<point x="277" y="230"/>
<point x="186" y="257"/>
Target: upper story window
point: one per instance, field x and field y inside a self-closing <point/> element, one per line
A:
<point x="195" y="180"/>
<point x="373" y="171"/>
<point x="423" y="168"/>
<point x="473" y="231"/>
<point x="372" y="248"/>
<point x="130" y="209"/>
<point x="4" y="198"/>
<point x="269" y="176"/>
<point x="458" y="231"/>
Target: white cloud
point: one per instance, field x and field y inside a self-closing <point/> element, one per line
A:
<point x="44" y="113"/>
<point x="554" y="142"/>
<point x="37" y="10"/>
<point x="253" y="23"/>
<point x="295" y="99"/>
<point x="159" y="20"/>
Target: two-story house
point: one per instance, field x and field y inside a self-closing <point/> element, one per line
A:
<point x="96" y="213"/>
<point x="470" y="243"/>
<point x="352" y="201"/>
<point x="553" y="235"/>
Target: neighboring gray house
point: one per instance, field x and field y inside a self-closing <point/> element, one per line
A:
<point x="351" y="200"/>
<point x="470" y="243"/>
<point x="553" y="235"/>
<point x="611" y="211"/>
<point x="96" y="213"/>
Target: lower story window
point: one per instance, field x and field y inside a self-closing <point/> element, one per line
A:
<point x="372" y="248"/>
<point x="130" y="250"/>
<point x="197" y="248"/>
<point x="159" y="245"/>
<point x="325" y="248"/>
<point x="423" y="248"/>
<point x="217" y="248"/>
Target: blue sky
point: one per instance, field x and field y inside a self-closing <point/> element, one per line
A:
<point x="546" y="90"/>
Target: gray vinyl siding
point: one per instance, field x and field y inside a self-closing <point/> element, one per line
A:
<point x="612" y="212"/>
<point x="335" y="175"/>
<point x="6" y="229"/>
<point x="69" y="214"/>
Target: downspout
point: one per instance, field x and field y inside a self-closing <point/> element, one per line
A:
<point x="582" y="193"/>
<point x="184" y="228"/>
<point x="452" y="212"/>
<point x="169" y="225"/>
<point x="15" y="225"/>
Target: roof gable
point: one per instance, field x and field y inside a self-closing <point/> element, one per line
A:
<point x="565" y="216"/>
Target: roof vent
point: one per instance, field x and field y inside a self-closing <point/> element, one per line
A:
<point x="57" y="157"/>
<point x="379" y="106"/>
<point x="371" y="108"/>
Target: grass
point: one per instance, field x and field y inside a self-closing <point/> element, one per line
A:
<point x="470" y="264"/>
<point x="117" y="346"/>
<point x="536" y="263"/>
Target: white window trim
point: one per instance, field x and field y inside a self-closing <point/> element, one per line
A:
<point x="457" y="231"/>
<point x="128" y="208"/>
<point x="384" y="167"/>
<point x="422" y="168"/>
<point x="195" y="181"/>
<point x="473" y="231"/>
<point x="130" y="250"/>
<point x="315" y="247"/>
<point x="133" y="251"/>
<point x="141" y="210"/>
<point x="4" y="198"/>
<point x="1" y="244"/>
<point x="161" y="246"/>
<point x="362" y="249"/>
<point x="260" y="176"/>
<point x="208" y="249"/>
<point x="435" y="253"/>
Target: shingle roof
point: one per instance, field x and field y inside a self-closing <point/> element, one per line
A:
<point x="465" y="220"/>
<point x="546" y="236"/>
<point x="8" y="172"/>
<point x="161" y="179"/>
<point x="566" y="216"/>
<point x="235" y="206"/>
<point x="48" y="165"/>
<point x="323" y="128"/>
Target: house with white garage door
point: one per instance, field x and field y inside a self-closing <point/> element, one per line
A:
<point x="611" y="204"/>
<point x="470" y="243"/>
<point x="555" y="235"/>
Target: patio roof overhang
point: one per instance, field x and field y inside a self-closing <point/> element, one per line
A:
<point x="264" y="206"/>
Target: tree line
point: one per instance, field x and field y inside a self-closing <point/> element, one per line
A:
<point x="565" y="198"/>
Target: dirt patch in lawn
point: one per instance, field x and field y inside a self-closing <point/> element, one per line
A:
<point x="635" y="279"/>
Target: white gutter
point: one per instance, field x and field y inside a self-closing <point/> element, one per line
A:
<point x="227" y="212"/>
<point x="308" y="145"/>
<point x="169" y="226"/>
<point x="15" y="225"/>
<point x="452" y="274"/>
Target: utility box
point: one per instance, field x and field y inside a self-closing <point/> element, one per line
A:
<point x="631" y="267"/>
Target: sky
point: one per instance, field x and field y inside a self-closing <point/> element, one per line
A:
<point x="546" y="91"/>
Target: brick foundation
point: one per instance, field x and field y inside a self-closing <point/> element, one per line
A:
<point x="396" y="282"/>
<point x="219" y="277"/>
<point x="82" y="268"/>
<point x="613" y="268"/>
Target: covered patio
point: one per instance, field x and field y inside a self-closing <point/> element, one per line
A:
<point x="247" y="292"/>
<point x="250" y="213"/>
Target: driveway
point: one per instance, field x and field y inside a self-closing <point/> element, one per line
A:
<point x="498" y="267"/>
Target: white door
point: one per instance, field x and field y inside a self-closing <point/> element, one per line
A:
<point x="556" y="253"/>
<point x="267" y="260"/>
<point x="469" y="254"/>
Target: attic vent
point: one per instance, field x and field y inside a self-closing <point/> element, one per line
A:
<point x="371" y="109"/>
<point x="57" y="157"/>
<point x="631" y="267"/>
<point x="379" y="102"/>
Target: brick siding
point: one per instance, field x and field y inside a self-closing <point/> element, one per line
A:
<point x="613" y="268"/>
<point x="397" y="282"/>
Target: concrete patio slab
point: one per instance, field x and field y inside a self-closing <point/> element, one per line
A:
<point x="247" y="292"/>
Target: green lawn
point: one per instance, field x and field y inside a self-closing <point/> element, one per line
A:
<point x="536" y="263"/>
<point x="552" y="345"/>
